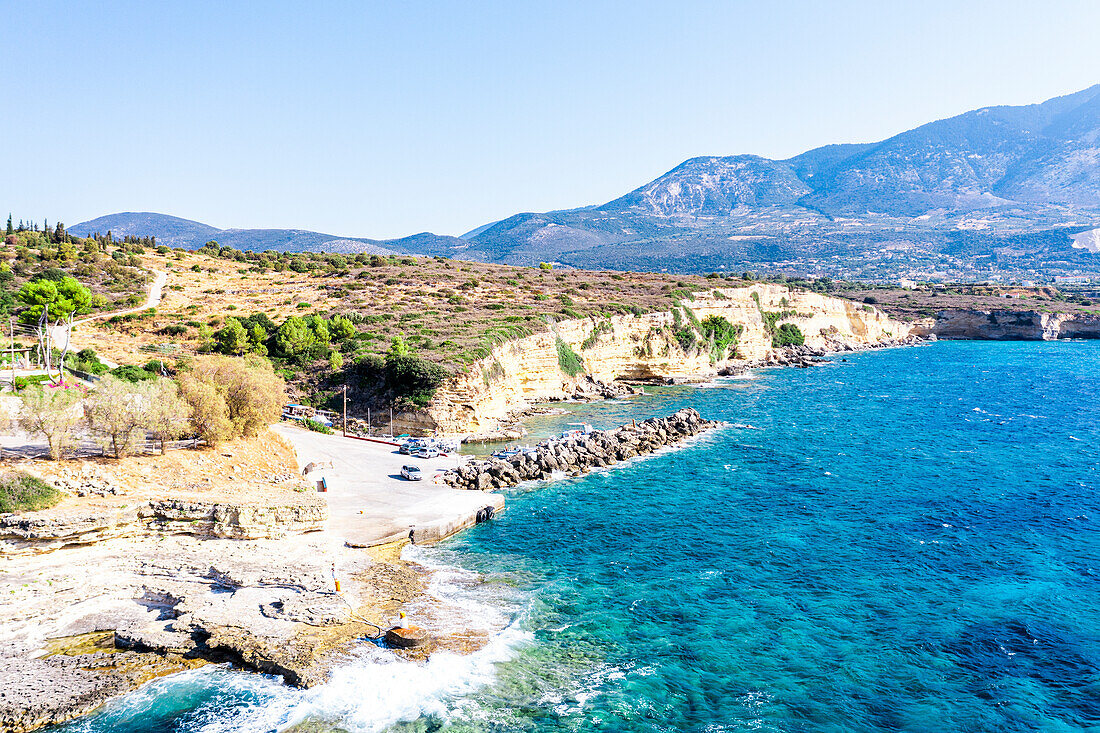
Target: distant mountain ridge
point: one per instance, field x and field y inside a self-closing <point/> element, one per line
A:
<point x="176" y="232"/>
<point x="998" y="191"/>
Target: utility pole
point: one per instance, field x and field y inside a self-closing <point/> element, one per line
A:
<point x="345" y="410"/>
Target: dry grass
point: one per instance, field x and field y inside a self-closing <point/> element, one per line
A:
<point x="243" y="471"/>
<point x="446" y="310"/>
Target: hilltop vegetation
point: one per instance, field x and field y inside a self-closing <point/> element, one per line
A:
<point x="391" y="328"/>
<point x="111" y="270"/>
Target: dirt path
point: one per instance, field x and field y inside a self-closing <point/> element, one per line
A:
<point x="153" y="297"/>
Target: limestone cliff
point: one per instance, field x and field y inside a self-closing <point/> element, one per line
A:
<point x="1006" y="325"/>
<point x="645" y="347"/>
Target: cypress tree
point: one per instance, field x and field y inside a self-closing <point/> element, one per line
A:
<point x="10" y="229"/>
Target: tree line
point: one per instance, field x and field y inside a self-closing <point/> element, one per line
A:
<point x="216" y="399"/>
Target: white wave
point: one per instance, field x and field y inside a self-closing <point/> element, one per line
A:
<point x="456" y="599"/>
<point x="380" y="689"/>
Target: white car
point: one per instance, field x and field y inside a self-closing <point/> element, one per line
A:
<point x="428" y="451"/>
<point x="411" y="473"/>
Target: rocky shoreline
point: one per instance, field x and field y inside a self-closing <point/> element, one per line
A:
<point x="159" y="604"/>
<point x="580" y="453"/>
<point x="174" y="583"/>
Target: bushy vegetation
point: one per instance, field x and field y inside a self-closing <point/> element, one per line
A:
<point x="95" y="273"/>
<point x="121" y="413"/>
<point x="86" y="361"/>
<point x="232" y="397"/>
<point x="317" y="427"/>
<point x="52" y="413"/>
<point x="601" y="327"/>
<point x="721" y="335"/>
<point x="401" y="376"/>
<point x="21" y="492"/>
<point x="570" y="361"/>
<point x="788" y="334"/>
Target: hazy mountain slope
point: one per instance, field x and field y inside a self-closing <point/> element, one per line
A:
<point x="170" y="230"/>
<point x="995" y="172"/>
<point x="714" y="186"/>
<point x="957" y="163"/>
<point x="998" y="189"/>
<point x="176" y="232"/>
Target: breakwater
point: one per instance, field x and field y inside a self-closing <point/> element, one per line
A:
<point x="579" y="453"/>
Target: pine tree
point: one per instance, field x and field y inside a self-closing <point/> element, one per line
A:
<point x="10" y="230"/>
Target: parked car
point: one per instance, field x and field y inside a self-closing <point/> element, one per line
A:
<point x="411" y="473"/>
<point x="410" y="447"/>
<point x="428" y="451"/>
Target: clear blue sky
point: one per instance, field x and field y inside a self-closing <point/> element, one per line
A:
<point x="385" y="119"/>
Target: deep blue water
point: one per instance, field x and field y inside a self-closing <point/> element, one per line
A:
<point x="903" y="540"/>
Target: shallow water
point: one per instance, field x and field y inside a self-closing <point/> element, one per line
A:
<point x="904" y="540"/>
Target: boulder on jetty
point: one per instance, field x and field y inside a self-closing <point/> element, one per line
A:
<point x="579" y="453"/>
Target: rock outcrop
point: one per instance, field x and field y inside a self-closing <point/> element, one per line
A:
<point x="1009" y="325"/>
<point x="645" y="348"/>
<point x="579" y="453"/>
<point x="36" y="532"/>
<point x="166" y="603"/>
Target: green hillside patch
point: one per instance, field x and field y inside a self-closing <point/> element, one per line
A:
<point x="20" y="492"/>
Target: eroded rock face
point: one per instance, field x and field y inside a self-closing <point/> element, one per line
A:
<point x="1008" y="325"/>
<point x="36" y="532"/>
<point x="580" y="453"/>
<point x="267" y="605"/>
<point x="236" y="521"/>
<point x="39" y="692"/>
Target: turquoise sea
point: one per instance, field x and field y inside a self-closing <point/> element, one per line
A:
<point x="902" y="540"/>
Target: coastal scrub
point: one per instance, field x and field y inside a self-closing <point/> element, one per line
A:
<point x="570" y="361"/>
<point x="21" y="492"/>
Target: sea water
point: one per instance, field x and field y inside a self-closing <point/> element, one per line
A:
<point x="898" y="540"/>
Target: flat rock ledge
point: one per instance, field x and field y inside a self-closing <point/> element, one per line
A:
<point x="186" y="601"/>
<point x="37" y="532"/>
<point x="581" y="453"/>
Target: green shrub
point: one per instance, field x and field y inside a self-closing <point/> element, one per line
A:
<point x="570" y="361"/>
<point x="21" y="383"/>
<point x="317" y="427"/>
<point x="722" y="335"/>
<point x="20" y="492"/>
<point x="86" y="360"/>
<point x="788" y="335"/>
<point x="601" y="327"/>
<point x="131" y="373"/>
<point x="414" y="378"/>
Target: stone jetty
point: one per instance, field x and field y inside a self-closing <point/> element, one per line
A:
<point x="579" y="453"/>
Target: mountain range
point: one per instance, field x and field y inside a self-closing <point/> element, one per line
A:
<point x="998" y="191"/>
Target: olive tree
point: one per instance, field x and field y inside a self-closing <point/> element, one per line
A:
<point x="167" y="414"/>
<point x="209" y="414"/>
<point x="54" y="413"/>
<point x="116" y="414"/>
<point x="232" y="397"/>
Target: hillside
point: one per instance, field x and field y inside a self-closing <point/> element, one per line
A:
<point x="995" y="192"/>
<point x="176" y="232"/>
